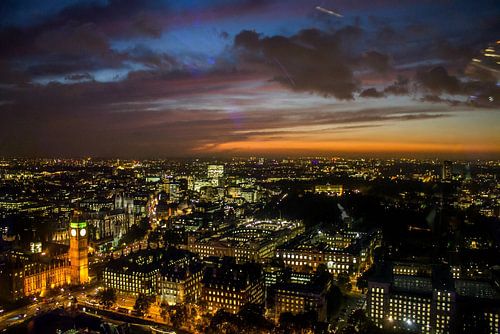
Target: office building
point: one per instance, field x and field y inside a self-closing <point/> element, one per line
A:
<point x="447" y="170"/>
<point x="215" y="173"/>
<point x="230" y="286"/>
<point x="302" y="293"/>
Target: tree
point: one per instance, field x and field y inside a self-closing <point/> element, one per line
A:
<point x="252" y="319"/>
<point x="165" y="311"/>
<point x="107" y="297"/>
<point x="343" y="281"/>
<point x="134" y="233"/>
<point x="362" y="323"/>
<point x="322" y="268"/>
<point x="343" y="278"/>
<point x="203" y="305"/>
<point x="222" y="322"/>
<point x="142" y="304"/>
<point x="299" y="323"/>
<point x="178" y="315"/>
<point x="334" y="300"/>
<point x="362" y="284"/>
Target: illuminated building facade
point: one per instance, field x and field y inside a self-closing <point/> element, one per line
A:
<point x="172" y="276"/>
<point x="215" y="173"/>
<point x="255" y="241"/>
<point x="302" y="293"/>
<point x="426" y="298"/>
<point x="180" y="284"/>
<point x="329" y="189"/>
<point x="447" y="170"/>
<point x="23" y="275"/>
<point x="30" y="273"/>
<point x="412" y="297"/>
<point x="231" y="286"/>
<point x="78" y="252"/>
<point x="39" y="277"/>
<point x="343" y="251"/>
<point x="111" y="224"/>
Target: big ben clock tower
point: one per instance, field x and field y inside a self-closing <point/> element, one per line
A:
<point x="78" y="251"/>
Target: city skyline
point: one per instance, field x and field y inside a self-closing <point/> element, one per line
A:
<point x="141" y="79"/>
<point x="260" y="245"/>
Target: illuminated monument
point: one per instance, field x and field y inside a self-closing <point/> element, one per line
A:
<point x="78" y="251"/>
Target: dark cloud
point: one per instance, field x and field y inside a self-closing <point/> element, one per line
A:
<point x="437" y="80"/>
<point x="418" y="29"/>
<point x="399" y="87"/>
<point x="387" y="35"/>
<point x="11" y="76"/>
<point x="371" y="92"/>
<point x="457" y="54"/>
<point x="247" y="39"/>
<point x="377" y="61"/>
<point x="312" y="60"/>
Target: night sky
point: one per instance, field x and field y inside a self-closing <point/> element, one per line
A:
<point x="225" y="77"/>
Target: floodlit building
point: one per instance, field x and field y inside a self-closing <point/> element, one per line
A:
<point x="343" y="251"/>
<point x="230" y="286"/>
<point x="132" y="278"/>
<point x="26" y="274"/>
<point x="302" y="293"/>
<point x="425" y="298"/>
<point x="329" y="189"/>
<point x="179" y="284"/>
<point x="172" y="275"/>
<point x="215" y="173"/>
<point x="78" y="252"/>
<point x="447" y="170"/>
<point x="412" y="297"/>
<point x="253" y="241"/>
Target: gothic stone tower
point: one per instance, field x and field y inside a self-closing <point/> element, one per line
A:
<point x="78" y="251"/>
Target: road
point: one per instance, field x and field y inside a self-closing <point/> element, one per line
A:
<point x="64" y="299"/>
<point x="355" y="301"/>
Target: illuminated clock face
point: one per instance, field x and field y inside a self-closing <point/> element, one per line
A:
<point x="73" y="232"/>
<point x="83" y="232"/>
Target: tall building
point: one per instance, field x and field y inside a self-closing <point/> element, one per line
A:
<point x="215" y="173"/>
<point x="78" y="252"/>
<point x="446" y="172"/>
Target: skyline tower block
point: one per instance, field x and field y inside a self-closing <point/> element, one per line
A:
<point x="215" y="173"/>
<point x="447" y="170"/>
